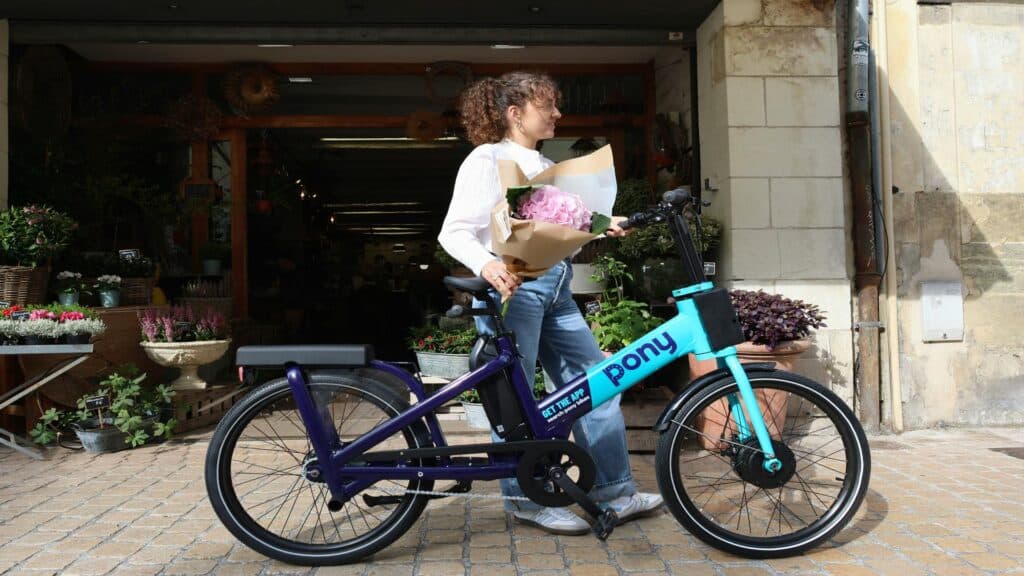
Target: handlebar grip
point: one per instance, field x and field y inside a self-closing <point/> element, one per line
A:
<point x="677" y="196"/>
<point x="634" y="221"/>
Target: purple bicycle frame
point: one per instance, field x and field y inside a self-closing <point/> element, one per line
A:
<point x="343" y="486"/>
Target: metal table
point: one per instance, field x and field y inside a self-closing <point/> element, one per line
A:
<point x="78" y="353"/>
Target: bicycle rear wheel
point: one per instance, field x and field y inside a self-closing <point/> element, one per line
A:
<point x="713" y="480"/>
<point x="255" y="480"/>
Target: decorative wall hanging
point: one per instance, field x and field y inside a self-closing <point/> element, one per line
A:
<point x="250" y="89"/>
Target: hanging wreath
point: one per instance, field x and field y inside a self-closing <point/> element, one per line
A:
<point x="446" y="68"/>
<point x="194" y="118"/>
<point x="250" y="89"/>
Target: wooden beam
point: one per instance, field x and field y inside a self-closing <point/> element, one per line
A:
<point x="239" y="225"/>
<point x="372" y="68"/>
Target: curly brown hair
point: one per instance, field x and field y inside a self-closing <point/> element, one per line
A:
<point x="483" y="103"/>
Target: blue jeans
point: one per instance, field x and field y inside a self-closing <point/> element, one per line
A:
<point x="548" y="325"/>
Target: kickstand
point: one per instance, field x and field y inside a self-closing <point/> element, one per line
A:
<point x="605" y="519"/>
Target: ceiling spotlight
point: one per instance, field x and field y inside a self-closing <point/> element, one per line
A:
<point x="274" y="45"/>
<point x="302" y="194"/>
<point x="332" y="218"/>
<point x="507" y="46"/>
<point x="300" y="79"/>
<point x="424" y="266"/>
<point x="142" y="41"/>
<point x="535" y="9"/>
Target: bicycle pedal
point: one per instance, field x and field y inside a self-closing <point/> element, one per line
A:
<point x="604" y="524"/>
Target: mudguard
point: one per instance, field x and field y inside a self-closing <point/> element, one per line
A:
<point x="699" y="384"/>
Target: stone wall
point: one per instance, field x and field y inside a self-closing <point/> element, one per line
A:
<point x="771" y="142"/>
<point x="958" y="160"/>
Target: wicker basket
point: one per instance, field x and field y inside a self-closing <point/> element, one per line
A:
<point x="136" y="291"/>
<point x="23" y="285"/>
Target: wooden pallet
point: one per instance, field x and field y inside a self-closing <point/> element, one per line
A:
<point x="198" y="408"/>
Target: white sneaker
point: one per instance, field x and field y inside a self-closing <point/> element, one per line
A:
<point x="554" y="520"/>
<point x="636" y="506"/>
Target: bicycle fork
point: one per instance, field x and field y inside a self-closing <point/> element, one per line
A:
<point x="771" y="462"/>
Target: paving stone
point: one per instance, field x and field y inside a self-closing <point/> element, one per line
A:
<point x="441" y="569"/>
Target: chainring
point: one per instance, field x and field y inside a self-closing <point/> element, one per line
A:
<point x="537" y="484"/>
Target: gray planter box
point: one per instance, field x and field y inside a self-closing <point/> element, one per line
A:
<point x="448" y="366"/>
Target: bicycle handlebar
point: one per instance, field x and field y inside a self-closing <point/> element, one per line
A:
<point x="673" y="201"/>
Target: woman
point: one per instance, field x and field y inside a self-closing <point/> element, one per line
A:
<point x="506" y="117"/>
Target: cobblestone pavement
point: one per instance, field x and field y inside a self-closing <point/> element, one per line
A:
<point x="941" y="502"/>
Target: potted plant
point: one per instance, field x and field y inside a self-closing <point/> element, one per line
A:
<point x="40" y="328"/>
<point x="75" y="327"/>
<point x="109" y="288"/>
<point x="619" y="321"/>
<point x="70" y="287"/>
<point x="184" y="339"/>
<point x="653" y="251"/>
<point x="213" y="256"/>
<point x="776" y="330"/>
<point x="122" y="413"/>
<point x="29" y="238"/>
<point x="442" y="353"/>
<point x="138" y="277"/>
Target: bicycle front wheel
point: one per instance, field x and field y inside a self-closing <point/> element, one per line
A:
<point x="256" y="483"/>
<point x="711" y="474"/>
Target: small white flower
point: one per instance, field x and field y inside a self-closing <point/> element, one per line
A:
<point x="67" y="275"/>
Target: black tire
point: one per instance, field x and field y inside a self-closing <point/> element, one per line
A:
<point x="272" y="403"/>
<point x="718" y="454"/>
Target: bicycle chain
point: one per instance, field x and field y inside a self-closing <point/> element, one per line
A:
<point x="483" y="496"/>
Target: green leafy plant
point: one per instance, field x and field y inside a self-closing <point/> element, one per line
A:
<point x="656" y="241"/>
<point x="444" y="258"/>
<point x="134" y="409"/>
<point x="619" y="321"/>
<point x="32" y="235"/>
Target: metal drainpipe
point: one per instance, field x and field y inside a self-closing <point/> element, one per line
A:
<point x="867" y="278"/>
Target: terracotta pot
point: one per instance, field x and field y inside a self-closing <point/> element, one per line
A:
<point x="712" y="421"/>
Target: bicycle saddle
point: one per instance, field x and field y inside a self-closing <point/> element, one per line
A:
<point x="476" y="286"/>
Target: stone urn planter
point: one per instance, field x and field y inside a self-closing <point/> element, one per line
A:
<point x="712" y="421"/>
<point x="188" y="356"/>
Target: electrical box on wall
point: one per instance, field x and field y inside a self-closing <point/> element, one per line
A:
<point x="942" y="312"/>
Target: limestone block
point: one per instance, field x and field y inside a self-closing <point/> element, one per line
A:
<point x="987" y="36"/>
<point x="992" y="218"/>
<point x="745" y="97"/>
<point x="985" y="319"/>
<point x="807" y="203"/>
<point x="749" y="199"/>
<point x="833" y="297"/>
<point x="772" y="51"/>
<point x="938" y="217"/>
<point x="904" y="86"/>
<point x="754" y="254"/>
<point x="796" y="101"/>
<point x="938" y="102"/>
<point x="799" y="12"/>
<point x="742" y="12"/>
<point x="813" y="253"/>
<point x="992" y="268"/>
<point x="785" y="152"/>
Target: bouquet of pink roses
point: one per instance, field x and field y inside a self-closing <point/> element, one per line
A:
<point x="546" y="219"/>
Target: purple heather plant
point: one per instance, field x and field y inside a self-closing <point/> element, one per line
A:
<point x="772" y="318"/>
<point x="181" y="324"/>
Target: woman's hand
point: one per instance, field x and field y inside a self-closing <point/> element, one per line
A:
<point x="614" y="231"/>
<point x="498" y="275"/>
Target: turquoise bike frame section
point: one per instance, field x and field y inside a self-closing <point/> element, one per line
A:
<point x="674" y="339"/>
